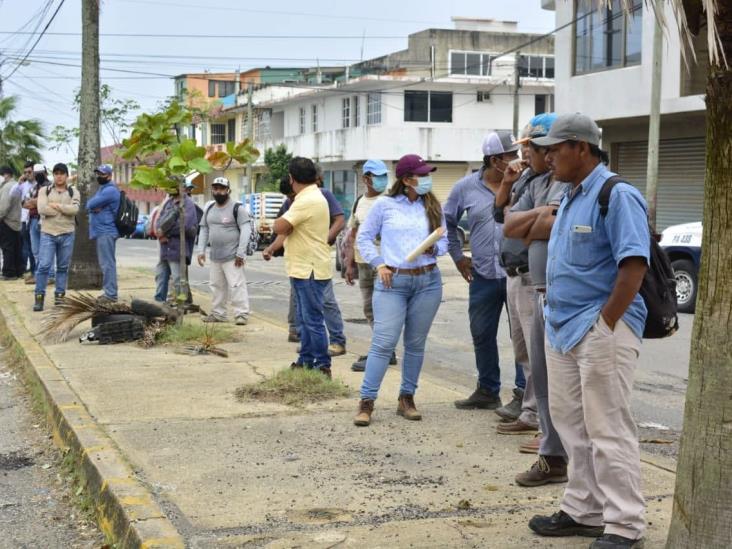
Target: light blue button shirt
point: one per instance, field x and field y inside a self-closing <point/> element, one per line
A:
<point x="403" y="225"/>
<point x="585" y="250"/>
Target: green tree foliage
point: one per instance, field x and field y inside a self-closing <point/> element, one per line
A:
<point x="277" y="160"/>
<point x="20" y="140"/>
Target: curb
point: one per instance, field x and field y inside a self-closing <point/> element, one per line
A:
<point x="124" y="508"/>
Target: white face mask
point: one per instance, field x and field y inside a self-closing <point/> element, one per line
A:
<point x="424" y="185"/>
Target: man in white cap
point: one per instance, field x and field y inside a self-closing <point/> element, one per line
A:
<point x="225" y="225"/>
<point x="475" y="195"/>
<point x="594" y="325"/>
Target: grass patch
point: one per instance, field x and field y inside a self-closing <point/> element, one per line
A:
<point x="196" y="332"/>
<point x="294" y="388"/>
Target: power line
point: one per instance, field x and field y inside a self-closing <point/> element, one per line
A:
<point x="55" y="13"/>
<point x="224" y="36"/>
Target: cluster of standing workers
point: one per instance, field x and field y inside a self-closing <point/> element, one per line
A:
<point x="568" y="273"/>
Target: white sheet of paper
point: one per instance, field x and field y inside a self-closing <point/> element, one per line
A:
<point x="427" y="243"/>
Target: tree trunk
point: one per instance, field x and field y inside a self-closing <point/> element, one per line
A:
<point x="702" y="507"/>
<point x="84" y="271"/>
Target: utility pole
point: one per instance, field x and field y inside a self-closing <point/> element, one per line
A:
<point x="516" y="85"/>
<point x="250" y="133"/>
<point x="654" y="120"/>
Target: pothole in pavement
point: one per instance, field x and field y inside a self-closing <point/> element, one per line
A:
<point x="14" y="461"/>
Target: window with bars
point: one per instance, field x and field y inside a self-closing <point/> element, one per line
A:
<point x="314" y="117"/>
<point x="346" y="112"/>
<point x="301" y="128"/>
<point x="356" y="111"/>
<point x="218" y="134"/>
<point x="373" y="108"/>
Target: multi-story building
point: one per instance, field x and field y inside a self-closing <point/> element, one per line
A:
<point x="437" y="98"/>
<point x="604" y="65"/>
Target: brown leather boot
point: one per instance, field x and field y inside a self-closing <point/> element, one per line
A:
<point x="365" y="409"/>
<point x="546" y="469"/>
<point x="407" y="409"/>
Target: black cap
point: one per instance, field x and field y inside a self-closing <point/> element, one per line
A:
<point x="61" y="167"/>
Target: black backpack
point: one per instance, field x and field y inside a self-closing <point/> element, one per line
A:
<point x="126" y="218"/>
<point x="658" y="289"/>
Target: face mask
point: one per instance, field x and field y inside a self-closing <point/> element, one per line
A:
<point x="424" y="185"/>
<point x="40" y="178"/>
<point x="102" y="180"/>
<point x="221" y="198"/>
<point x="379" y="182"/>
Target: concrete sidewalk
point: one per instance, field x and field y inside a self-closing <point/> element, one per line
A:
<point x="172" y="459"/>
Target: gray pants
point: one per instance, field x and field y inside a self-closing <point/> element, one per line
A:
<point x="366" y="276"/>
<point x="519" y="297"/>
<point x="550" y="444"/>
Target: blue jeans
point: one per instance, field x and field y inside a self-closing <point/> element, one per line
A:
<point x="331" y="311"/>
<point x="486" y="301"/>
<point x="35" y="242"/>
<point x="59" y="247"/>
<point x="411" y="303"/>
<point x="106" y="244"/>
<point x="26" y="252"/>
<point x="313" y="339"/>
<point x="163" y="271"/>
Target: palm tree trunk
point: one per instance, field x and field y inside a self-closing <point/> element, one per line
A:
<point x="84" y="272"/>
<point x="702" y="508"/>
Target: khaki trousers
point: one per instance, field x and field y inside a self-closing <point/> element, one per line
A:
<point x="366" y="277"/>
<point x="520" y="297"/>
<point x="228" y="283"/>
<point x="589" y="397"/>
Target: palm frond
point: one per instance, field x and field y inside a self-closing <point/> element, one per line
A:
<point x="75" y="309"/>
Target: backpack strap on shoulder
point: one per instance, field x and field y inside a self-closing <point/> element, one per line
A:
<point x="604" y="197"/>
<point x="204" y="217"/>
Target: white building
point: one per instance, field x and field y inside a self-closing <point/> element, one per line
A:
<point x="438" y="98"/>
<point x="604" y="68"/>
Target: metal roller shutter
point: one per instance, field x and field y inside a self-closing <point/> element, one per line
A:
<point x="446" y="176"/>
<point x="681" y="169"/>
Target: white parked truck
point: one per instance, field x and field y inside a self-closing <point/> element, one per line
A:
<point x="263" y="209"/>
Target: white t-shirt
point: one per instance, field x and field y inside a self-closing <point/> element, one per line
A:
<point x="359" y="216"/>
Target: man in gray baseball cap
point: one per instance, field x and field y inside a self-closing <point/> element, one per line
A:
<point x="594" y="324"/>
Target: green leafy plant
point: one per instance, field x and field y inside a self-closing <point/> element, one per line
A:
<point x="294" y="387"/>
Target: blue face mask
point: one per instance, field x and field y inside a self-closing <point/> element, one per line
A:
<point x="379" y="182"/>
<point x="424" y="185"/>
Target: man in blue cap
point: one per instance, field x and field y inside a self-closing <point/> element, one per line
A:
<point x="102" y="208"/>
<point x="375" y="176"/>
<point x="531" y="221"/>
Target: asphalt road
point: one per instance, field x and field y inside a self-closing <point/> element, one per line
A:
<point x="661" y="378"/>
<point x="36" y="508"/>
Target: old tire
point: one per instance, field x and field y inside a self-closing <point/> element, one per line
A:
<point x="686" y="285"/>
<point x="116" y="317"/>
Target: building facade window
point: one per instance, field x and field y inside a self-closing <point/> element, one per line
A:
<point x="263" y="129"/>
<point x="606" y="38"/>
<point x="218" y="134"/>
<point x="231" y="129"/>
<point x="220" y="88"/>
<point x="427" y="106"/>
<point x="301" y="121"/>
<point x="471" y="63"/>
<point x="346" y="112"/>
<point x="314" y="117"/>
<point x="536" y="66"/>
<point x="373" y="108"/>
<point x="212" y="88"/>
<point x="356" y="111"/>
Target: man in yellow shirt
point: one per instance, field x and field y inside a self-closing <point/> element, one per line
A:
<point x="308" y="262"/>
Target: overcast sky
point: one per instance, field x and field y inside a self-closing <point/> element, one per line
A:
<point x="46" y="88"/>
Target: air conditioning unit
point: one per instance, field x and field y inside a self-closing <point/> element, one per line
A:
<point x="483" y="96"/>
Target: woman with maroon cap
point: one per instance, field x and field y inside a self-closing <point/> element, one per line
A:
<point x="407" y="294"/>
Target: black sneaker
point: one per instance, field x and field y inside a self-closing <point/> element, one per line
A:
<point x="613" y="541"/>
<point x="481" y="398"/>
<point x="360" y="364"/>
<point x="393" y="359"/>
<point x="561" y="524"/>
